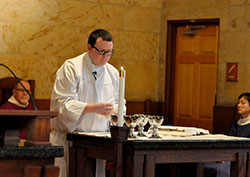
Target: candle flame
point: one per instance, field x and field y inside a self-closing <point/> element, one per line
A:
<point x="122" y="72"/>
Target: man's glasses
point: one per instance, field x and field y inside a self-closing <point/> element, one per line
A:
<point x="103" y="52"/>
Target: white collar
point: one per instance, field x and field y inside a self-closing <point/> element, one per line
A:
<point x="98" y="69"/>
<point x="243" y="121"/>
<point x="93" y="68"/>
<point x="13" y="100"/>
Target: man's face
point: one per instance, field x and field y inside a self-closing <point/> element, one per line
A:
<point x="97" y="57"/>
<point x="243" y="107"/>
<point x="19" y="93"/>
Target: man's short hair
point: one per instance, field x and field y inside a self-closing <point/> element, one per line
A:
<point x="105" y="35"/>
<point x="21" y="80"/>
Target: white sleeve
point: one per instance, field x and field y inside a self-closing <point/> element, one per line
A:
<point x="64" y="97"/>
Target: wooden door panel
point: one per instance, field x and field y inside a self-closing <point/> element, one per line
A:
<point x="206" y="45"/>
<point x="187" y="46"/>
<point x="185" y="90"/>
<point x="200" y="58"/>
<point x="195" y="83"/>
<point x="207" y="91"/>
<point x="203" y="123"/>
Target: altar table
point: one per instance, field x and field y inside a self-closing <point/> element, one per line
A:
<point x="138" y="157"/>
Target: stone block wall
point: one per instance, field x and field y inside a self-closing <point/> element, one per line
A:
<point x="234" y="38"/>
<point x="36" y="37"/>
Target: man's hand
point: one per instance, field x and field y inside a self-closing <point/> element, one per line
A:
<point x="104" y="109"/>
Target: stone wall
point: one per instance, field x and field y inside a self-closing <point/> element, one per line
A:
<point x="36" y="37"/>
<point x="234" y="38"/>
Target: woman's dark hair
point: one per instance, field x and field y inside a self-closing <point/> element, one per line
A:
<point x="105" y="35"/>
<point x="246" y="95"/>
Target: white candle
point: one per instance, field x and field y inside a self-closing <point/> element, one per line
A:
<point x="121" y="97"/>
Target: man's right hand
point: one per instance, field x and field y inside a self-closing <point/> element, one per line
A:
<point x="104" y="109"/>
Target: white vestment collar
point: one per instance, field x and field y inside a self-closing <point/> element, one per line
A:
<point x="15" y="102"/>
<point x="243" y="121"/>
<point x="99" y="70"/>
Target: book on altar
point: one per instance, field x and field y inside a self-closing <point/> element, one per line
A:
<point x="181" y="131"/>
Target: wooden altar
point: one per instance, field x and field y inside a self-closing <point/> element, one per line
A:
<point x="139" y="157"/>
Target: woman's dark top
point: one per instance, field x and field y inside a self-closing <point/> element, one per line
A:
<point x="239" y="130"/>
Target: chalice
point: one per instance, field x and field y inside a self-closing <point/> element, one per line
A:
<point x="114" y="119"/>
<point x="142" y="120"/>
<point x="131" y="122"/>
<point x="155" y="122"/>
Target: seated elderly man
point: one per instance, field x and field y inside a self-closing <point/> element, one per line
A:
<point x="20" y="98"/>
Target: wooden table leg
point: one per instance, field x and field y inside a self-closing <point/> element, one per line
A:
<point x="134" y="166"/>
<point x="118" y="160"/>
<point x="199" y="169"/>
<point x="79" y="164"/>
<point x="150" y="166"/>
<point x="72" y="162"/>
<point x="248" y="164"/>
<point x="85" y="165"/>
<point x="238" y="167"/>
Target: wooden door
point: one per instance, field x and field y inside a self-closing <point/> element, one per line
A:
<point x="195" y="76"/>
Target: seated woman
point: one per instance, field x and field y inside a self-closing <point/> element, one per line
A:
<point x="239" y="128"/>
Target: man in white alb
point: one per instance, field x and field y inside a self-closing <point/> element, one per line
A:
<point x="85" y="93"/>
